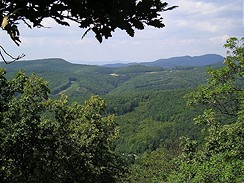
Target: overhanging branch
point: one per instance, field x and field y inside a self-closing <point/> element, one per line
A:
<point x="13" y="58"/>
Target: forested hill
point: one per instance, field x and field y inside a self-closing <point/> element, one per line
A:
<point x="85" y="80"/>
<point x="52" y="64"/>
<point x="203" y="60"/>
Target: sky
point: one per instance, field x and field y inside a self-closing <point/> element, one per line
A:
<point x="194" y="28"/>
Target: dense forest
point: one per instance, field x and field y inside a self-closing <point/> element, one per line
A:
<point x="136" y="123"/>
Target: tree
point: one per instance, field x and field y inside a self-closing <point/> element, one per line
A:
<point x="225" y="86"/>
<point x="45" y="140"/>
<point x="102" y="17"/>
<point x="151" y="167"/>
<point x="220" y="157"/>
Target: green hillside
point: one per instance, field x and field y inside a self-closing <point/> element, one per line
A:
<point x="163" y="80"/>
<point x="151" y="120"/>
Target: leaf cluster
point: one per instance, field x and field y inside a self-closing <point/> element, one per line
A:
<point x="102" y="17"/>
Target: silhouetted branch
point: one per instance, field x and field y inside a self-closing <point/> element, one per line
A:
<point x="13" y="58"/>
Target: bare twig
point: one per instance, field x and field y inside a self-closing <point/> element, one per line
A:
<point x="85" y="33"/>
<point x="13" y="58"/>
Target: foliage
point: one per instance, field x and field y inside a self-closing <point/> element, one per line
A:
<point x="151" y="167"/>
<point x="220" y="158"/>
<point x="101" y="17"/>
<point x="45" y="140"/>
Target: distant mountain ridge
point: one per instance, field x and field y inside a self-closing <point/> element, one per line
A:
<point x="202" y="60"/>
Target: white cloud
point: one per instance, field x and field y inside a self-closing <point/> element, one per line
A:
<point x="198" y="7"/>
<point x="219" y="39"/>
<point x="206" y="8"/>
<point x="207" y="26"/>
<point x="182" y="23"/>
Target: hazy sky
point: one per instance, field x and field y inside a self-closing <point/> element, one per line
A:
<point x="194" y="28"/>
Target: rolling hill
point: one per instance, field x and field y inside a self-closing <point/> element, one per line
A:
<point x="85" y="80"/>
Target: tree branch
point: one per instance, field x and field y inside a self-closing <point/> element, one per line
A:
<point x="13" y="58"/>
